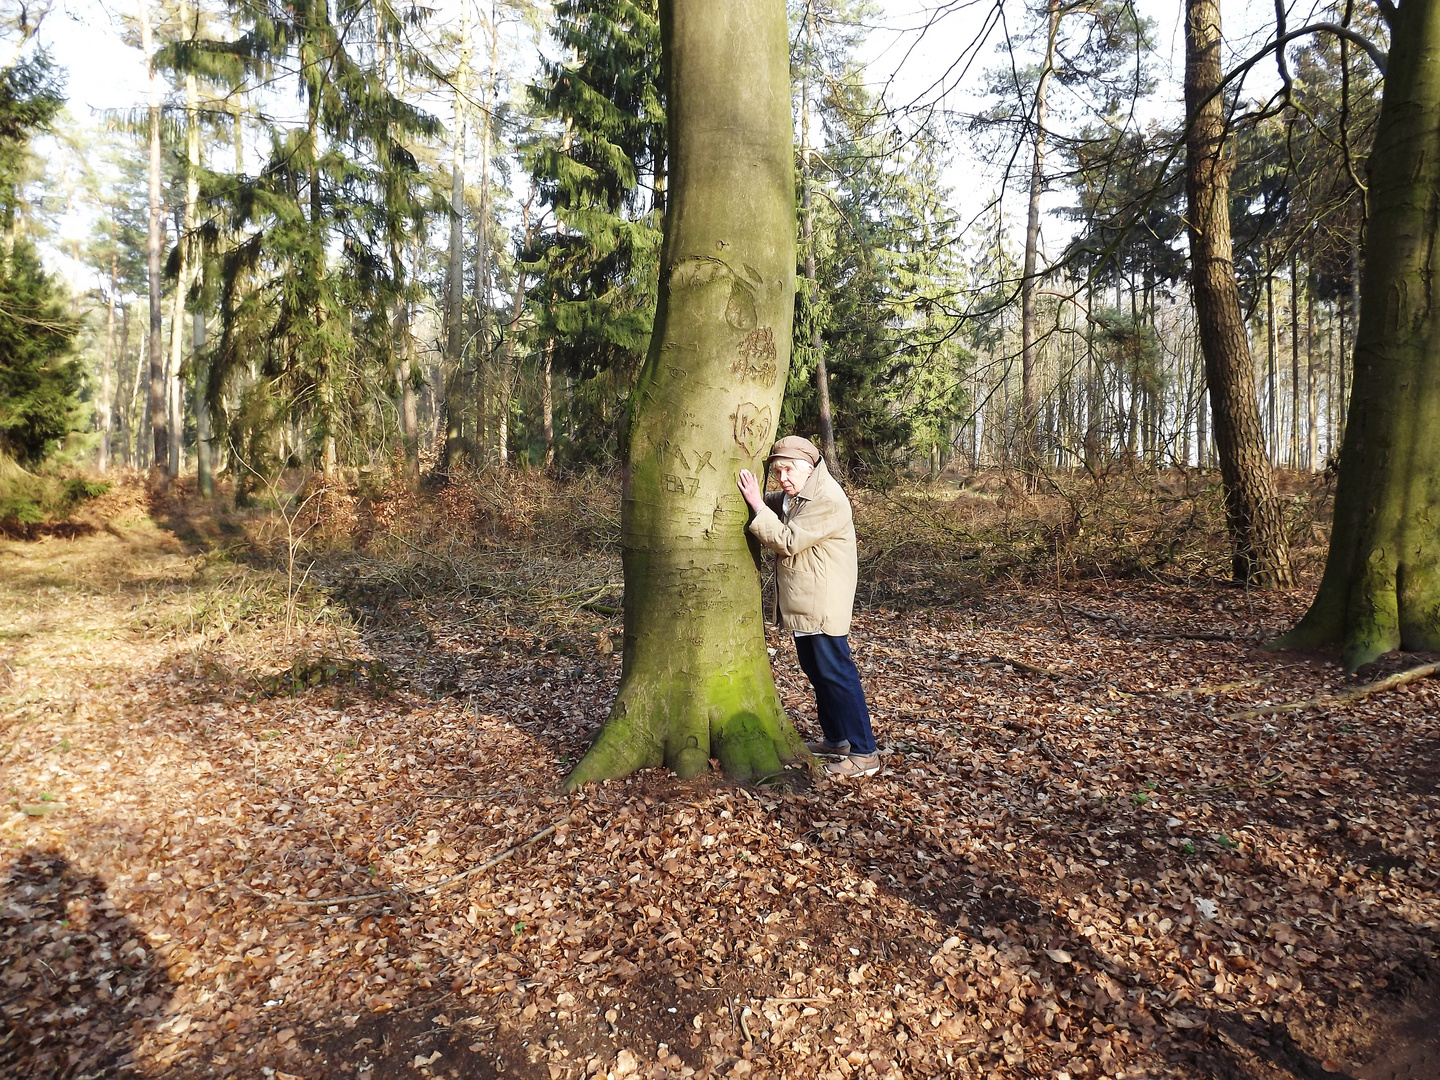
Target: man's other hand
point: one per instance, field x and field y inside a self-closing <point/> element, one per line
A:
<point x="750" y="489"/>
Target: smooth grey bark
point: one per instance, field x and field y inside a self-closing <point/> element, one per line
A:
<point x="696" y="680"/>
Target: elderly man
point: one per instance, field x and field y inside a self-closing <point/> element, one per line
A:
<point x="807" y="523"/>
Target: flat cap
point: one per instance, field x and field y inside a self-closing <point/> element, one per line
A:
<point x="796" y="448"/>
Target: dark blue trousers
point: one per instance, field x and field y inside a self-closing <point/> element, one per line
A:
<point x="839" y="698"/>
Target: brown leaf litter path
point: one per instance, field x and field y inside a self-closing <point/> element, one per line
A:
<point x="1073" y="864"/>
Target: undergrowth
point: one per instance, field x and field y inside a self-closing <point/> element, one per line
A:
<point x="30" y="499"/>
<point x="297" y="590"/>
<point x="941" y="541"/>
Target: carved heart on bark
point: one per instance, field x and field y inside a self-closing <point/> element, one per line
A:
<point x="752" y="427"/>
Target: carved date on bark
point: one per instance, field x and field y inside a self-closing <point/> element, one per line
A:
<point x="752" y="427"/>
<point x="680" y="485"/>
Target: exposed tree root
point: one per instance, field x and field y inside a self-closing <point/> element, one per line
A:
<point x="1400" y="678"/>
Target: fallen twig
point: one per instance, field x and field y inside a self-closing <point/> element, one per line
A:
<point x="1400" y="678"/>
<point x="429" y="890"/>
<point x="1096" y="616"/>
<point x="1222" y="688"/>
<point x="1020" y="665"/>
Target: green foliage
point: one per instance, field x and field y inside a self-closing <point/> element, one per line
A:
<point x="308" y="295"/>
<point x="599" y="167"/>
<point x="1130" y="210"/>
<point x="39" y="381"/>
<point x="886" y="268"/>
<point x="1301" y="173"/>
<point x="31" y="94"/>
<point x="28" y="498"/>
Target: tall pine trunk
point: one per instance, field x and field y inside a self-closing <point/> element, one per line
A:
<point x="547" y="409"/>
<point x="492" y="399"/>
<point x="696" y="680"/>
<point x="454" y="277"/>
<point x="155" y="396"/>
<point x="1259" y="552"/>
<point x="1029" y="282"/>
<point x="812" y="295"/>
<point x="1381" y="589"/>
<point x="1294" y="363"/>
<point x="1312" y="401"/>
<point x="204" y="468"/>
<point x="107" y="393"/>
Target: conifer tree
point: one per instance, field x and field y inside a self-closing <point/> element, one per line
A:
<point x="38" y="378"/>
<point x="308" y="296"/>
<point x="599" y="165"/>
<point x="886" y="277"/>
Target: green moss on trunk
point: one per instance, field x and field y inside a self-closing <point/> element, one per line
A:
<point x="696" y="680"/>
<point x="1381" y="589"/>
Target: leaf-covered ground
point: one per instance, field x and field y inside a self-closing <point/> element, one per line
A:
<point x="219" y="860"/>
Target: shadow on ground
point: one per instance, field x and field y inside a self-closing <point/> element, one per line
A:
<point x="78" y="982"/>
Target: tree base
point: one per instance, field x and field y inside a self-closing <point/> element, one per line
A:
<point x="669" y="719"/>
<point x="1384" y="609"/>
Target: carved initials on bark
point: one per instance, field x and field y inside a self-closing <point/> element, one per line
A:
<point x="757" y="357"/>
<point x="752" y="427"/>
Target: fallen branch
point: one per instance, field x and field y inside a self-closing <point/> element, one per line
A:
<point x="1202" y="635"/>
<point x="1222" y="688"/>
<point x="1020" y="665"/>
<point x="1400" y="678"/>
<point x="1096" y="616"/>
<point x="429" y="890"/>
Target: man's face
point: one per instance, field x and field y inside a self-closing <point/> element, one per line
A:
<point x="791" y="474"/>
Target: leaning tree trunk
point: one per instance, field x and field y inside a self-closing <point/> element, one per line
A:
<point x="1259" y="552"/>
<point x="696" y="680"/>
<point x="1381" y="589"/>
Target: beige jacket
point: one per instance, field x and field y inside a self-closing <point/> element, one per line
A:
<point x="816" y="569"/>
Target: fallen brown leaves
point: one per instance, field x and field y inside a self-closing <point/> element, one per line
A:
<point x="1075" y="863"/>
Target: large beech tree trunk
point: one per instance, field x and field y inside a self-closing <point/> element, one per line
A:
<point x="1381" y="589"/>
<point x="1259" y="552"/>
<point x="696" y="680"/>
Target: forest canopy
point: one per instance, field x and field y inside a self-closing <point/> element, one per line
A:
<point x="431" y="236"/>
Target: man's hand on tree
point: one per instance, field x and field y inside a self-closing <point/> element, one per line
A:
<point x="750" y="489"/>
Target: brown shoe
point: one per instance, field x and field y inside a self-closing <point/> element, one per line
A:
<point x="825" y="748"/>
<point x="855" y="765"/>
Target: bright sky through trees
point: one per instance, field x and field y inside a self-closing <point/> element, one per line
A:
<point x="920" y="54"/>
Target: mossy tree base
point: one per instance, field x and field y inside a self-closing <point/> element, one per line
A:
<point x="1381" y="589"/>
<point x="696" y="682"/>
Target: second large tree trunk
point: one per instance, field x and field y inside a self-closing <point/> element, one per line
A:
<point x="696" y="680"/>
<point x="1381" y="589"/>
<point x="1259" y="551"/>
